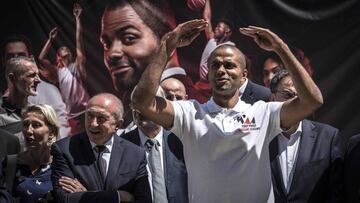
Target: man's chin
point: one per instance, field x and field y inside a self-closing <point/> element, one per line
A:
<point x="32" y="93"/>
<point x="123" y="84"/>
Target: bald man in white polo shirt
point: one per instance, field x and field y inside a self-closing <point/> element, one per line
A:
<point x="226" y="140"/>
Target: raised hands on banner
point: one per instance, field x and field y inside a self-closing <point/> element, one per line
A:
<point x="77" y="10"/>
<point x="184" y="34"/>
<point x="266" y="39"/>
<point x="53" y="33"/>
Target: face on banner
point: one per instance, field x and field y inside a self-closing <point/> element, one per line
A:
<point x="128" y="46"/>
<point x="15" y="49"/>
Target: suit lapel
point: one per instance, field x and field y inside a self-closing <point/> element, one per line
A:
<point x="115" y="159"/>
<point x="247" y="95"/>
<point x="135" y="137"/>
<point x="166" y="155"/>
<point x="307" y="141"/>
<point x="89" y="168"/>
<point x="275" y="165"/>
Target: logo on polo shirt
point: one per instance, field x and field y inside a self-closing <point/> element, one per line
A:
<point x="247" y="123"/>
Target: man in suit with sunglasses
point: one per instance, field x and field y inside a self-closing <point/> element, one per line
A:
<point x="307" y="158"/>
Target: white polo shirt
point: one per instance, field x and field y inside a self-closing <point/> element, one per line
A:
<point x="227" y="150"/>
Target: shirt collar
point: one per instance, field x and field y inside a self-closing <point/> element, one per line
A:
<point x="295" y="135"/>
<point x="212" y="107"/>
<point x="9" y="107"/>
<point x="108" y="144"/>
<point x="144" y="138"/>
<point x="243" y="86"/>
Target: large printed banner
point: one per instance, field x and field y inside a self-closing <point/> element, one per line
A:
<point x="326" y="32"/>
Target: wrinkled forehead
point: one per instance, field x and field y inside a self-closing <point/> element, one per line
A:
<point x="102" y="104"/>
<point x="172" y="84"/>
<point x="99" y="110"/>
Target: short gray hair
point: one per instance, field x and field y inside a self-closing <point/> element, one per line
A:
<point x="15" y="65"/>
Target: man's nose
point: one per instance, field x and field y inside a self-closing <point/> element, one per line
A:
<point x="37" y="78"/>
<point x="116" y="52"/>
<point x="220" y="70"/>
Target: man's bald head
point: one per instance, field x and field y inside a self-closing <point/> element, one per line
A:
<point x="110" y="102"/>
<point x="174" y="89"/>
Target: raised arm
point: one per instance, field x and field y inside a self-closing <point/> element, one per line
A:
<point x="80" y="51"/>
<point x="45" y="63"/>
<point x="207" y="16"/>
<point x="309" y="96"/>
<point x="144" y="100"/>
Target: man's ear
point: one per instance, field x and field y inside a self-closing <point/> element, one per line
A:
<point x="245" y="72"/>
<point x="119" y="123"/>
<point x="228" y="33"/>
<point x="11" y="77"/>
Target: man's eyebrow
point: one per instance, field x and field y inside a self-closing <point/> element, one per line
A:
<point x="122" y="29"/>
<point x="118" y="31"/>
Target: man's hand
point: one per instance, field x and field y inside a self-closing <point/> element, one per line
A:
<point x="184" y="34"/>
<point x="53" y="33"/>
<point x="126" y="196"/>
<point x="266" y="39"/>
<point x="77" y="10"/>
<point x="71" y="185"/>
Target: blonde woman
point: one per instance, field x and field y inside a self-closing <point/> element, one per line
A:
<point x="32" y="179"/>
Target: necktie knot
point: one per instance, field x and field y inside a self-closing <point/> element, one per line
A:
<point x="150" y="143"/>
<point x="100" y="148"/>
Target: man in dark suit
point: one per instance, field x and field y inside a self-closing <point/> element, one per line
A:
<point x="98" y="166"/>
<point x="172" y="157"/>
<point x="307" y="159"/>
<point x="352" y="168"/>
<point x="254" y="92"/>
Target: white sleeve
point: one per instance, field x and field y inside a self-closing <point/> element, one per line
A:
<point x="274" y="123"/>
<point x="182" y="111"/>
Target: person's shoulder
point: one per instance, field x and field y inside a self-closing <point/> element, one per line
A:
<point x="330" y="130"/>
<point x="65" y="142"/>
<point x="353" y="142"/>
<point x="129" y="146"/>
<point x="191" y="103"/>
<point x="46" y="85"/>
<point x="131" y="136"/>
<point x="8" y="136"/>
<point x="259" y="89"/>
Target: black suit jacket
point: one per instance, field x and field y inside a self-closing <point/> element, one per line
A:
<point x="254" y="92"/>
<point x="9" y="143"/>
<point x="5" y="196"/>
<point x="319" y="166"/>
<point x="352" y="170"/>
<point x="174" y="164"/>
<point x="73" y="157"/>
